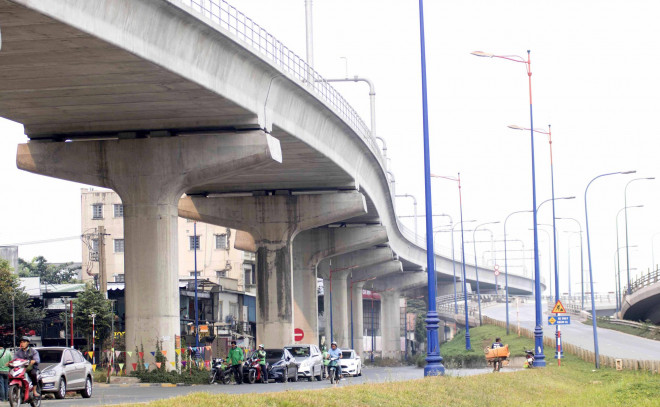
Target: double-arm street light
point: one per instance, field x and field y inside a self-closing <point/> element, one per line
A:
<point x="539" y="357"/>
<point x="476" y="268"/>
<point x="591" y="276"/>
<point x="625" y="204"/>
<point x="434" y="365"/>
<point x="506" y="270"/>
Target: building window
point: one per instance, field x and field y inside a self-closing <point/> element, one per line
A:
<point x="97" y="211"/>
<point x="194" y="242"/>
<point x="192" y="274"/>
<point x="221" y="273"/>
<point x="248" y="272"/>
<point x="221" y="241"/>
<point x="119" y="210"/>
<point x="119" y="278"/>
<point x="119" y="245"/>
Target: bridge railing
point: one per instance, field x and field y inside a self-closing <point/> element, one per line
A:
<point x="645" y="280"/>
<point x="256" y="37"/>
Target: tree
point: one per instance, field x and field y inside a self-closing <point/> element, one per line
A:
<point x="62" y="273"/>
<point x="91" y="301"/>
<point x="27" y="316"/>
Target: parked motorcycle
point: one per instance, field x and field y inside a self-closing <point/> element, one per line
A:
<point x="220" y="372"/>
<point x="20" y="385"/>
<point x="529" y="359"/>
<point x="252" y="370"/>
<point x="333" y="370"/>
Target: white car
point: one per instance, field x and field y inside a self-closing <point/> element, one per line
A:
<point x="351" y="363"/>
<point x="309" y="360"/>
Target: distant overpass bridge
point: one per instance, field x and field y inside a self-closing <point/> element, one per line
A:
<point x="643" y="303"/>
<point x="157" y="99"/>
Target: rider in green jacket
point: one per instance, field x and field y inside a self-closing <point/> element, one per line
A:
<point x="262" y="363"/>
<point x="236" y="361"/>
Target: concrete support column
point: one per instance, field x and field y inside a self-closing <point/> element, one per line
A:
<point x="390" y="324"/>
<point x="339" y="309"/>
<point x="309" y="247"/>
<point x="150" y="175"/>
<point x="274" y="221"/>
<point x="358" y="318"/>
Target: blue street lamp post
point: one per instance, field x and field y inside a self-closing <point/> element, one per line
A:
<point x="625" y="204"/>
<point x="434" y="365"/>
<point x="591" y="275"/>
<point x="196" y="241"/>
<point x="506" y="270"/>
<point x="539" y="357"/>
<point x="476" y="268"/>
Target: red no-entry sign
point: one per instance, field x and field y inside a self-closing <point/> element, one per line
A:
<point x="298" y="334"/>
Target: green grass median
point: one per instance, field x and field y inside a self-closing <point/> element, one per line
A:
<point x="575" y="383"/>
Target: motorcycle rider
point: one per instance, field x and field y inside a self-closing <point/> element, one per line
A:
<point x="262" y="363"/>
<point x="236" y="361"/>
<point x="26" y="352"/>
<point x="335" y="352"/>
<point x="497" y="344"/>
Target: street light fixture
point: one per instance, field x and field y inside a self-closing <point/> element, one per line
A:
<point x="617" y="287"/>
<point x="625" y="203"/>
<point x="460" y="208"/>
<point x="434" y="365"/>
<point x="414" y="208"/>
<point x="539" y="357"/>
<point x="476" y="268"/>
<point x="591" y="276"/>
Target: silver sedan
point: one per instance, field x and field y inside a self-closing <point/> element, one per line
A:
<point x="65" y="369"/>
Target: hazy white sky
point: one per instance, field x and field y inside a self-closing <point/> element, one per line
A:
<point x="595" y="80"/>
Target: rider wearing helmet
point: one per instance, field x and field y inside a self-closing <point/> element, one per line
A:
<point x="335" y="352"/>
<point x="262" y="363"/>
<point x="31" y="354"/>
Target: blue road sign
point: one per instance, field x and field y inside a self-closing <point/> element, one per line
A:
<point x="559" y="320"/>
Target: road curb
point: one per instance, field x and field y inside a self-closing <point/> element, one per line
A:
<point x="105" y="385"/>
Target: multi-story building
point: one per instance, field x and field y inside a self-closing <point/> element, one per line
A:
<point x="217" y="260"/>
<point x="218" y="263"/>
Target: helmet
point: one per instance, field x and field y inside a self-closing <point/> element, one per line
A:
<point x="333" y="343"/>
<point x="261" y="346"/>
<point x="25" y="338"/>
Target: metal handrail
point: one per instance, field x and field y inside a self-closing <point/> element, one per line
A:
<point x="245" y="30"/>
<point x="651" y="277"/>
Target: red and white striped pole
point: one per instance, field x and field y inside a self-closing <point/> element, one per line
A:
<point x="558" y="345"/>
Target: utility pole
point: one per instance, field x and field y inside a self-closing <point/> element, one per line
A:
<point x="71" y="320"/>
<point x="66" y="320"/>
<point x="103" y="275"/>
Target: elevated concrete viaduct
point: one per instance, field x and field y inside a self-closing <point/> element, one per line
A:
<point x="155" y="99"/>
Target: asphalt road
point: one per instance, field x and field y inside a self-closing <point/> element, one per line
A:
<point x="610" y="343"/>
<point x="134" y="394"/>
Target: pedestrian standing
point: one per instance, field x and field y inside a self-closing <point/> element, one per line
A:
<point x="5" y="357"/>
<point x="236" y="361"/>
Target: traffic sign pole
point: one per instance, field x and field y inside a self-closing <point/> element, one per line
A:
<point x="558" y="345"/>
